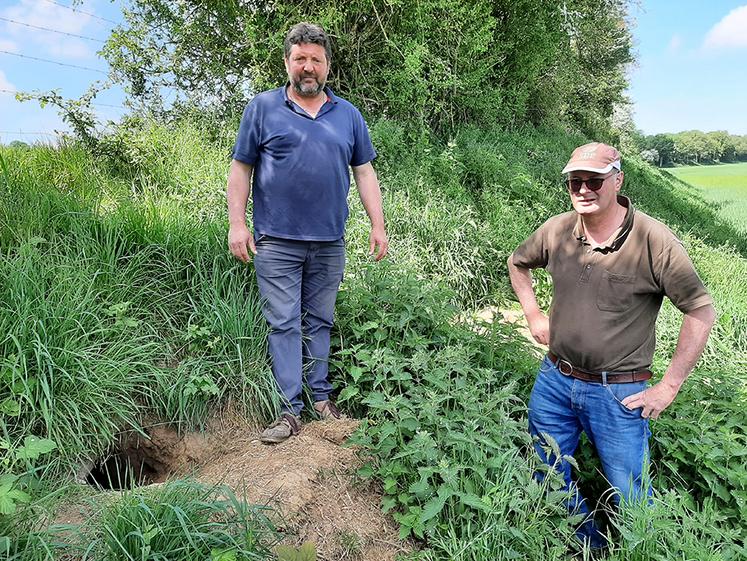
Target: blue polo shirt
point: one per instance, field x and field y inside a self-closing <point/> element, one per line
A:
<point x="301" y="175"/>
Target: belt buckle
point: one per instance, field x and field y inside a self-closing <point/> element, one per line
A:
<point x="562" y="362"/>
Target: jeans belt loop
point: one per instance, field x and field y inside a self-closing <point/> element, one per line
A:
<point x="604" y="378"/>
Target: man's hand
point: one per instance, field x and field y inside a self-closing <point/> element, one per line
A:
<point x="239" y="239"/>
<point x="696" y="325"/>
<point x="377" y="239"/>
<point x="539" y="327"/>
<point x="653" y="400"/>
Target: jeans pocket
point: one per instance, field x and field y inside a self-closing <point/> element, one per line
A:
<point x="619" y="392"/>
<point x="546" y="366"/>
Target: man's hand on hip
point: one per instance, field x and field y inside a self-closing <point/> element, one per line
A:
<point x="378" y="242"/>
<point x="653" y="400"/>
<point x="239" y="239"/>
<point x="539" y="327"/>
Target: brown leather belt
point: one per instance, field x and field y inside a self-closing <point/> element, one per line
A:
<point x="567" y="369"/>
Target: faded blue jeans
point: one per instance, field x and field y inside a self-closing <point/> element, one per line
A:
<point x="562" y="407"/>
<point x="298" y="282"/>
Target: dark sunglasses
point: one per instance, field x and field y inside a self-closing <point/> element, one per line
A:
<point x="593" y="184"/>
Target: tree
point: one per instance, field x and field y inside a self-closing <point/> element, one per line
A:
<point x="723" y="145"/>
<point x="650" y="156"/>
<point x="690" y="146"/>
<point x="664" y="146"/>
<point x="436" y="63"/>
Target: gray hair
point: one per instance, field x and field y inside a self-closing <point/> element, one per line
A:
<point x="305" y="32"/>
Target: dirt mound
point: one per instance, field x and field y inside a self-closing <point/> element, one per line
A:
<point x="310" y="480"/>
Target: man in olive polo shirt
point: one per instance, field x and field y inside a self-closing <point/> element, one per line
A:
<point x="611" y="265"/>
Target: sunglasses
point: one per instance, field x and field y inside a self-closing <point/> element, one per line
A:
<point x="593" y="184"/>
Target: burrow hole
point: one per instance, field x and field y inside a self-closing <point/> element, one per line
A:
<point x="135" y="460"/>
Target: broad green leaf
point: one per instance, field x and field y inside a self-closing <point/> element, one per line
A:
<point x="420" y="488"/>
<point x="7" y="479"/>
<point x="10" y="407"/>
<point x="434" y="506"/>
<point x="307" y="552"/>
<point x="347" y="393"/>
<point x="223" y="555"/>
<point x="34" y="447"/>
<point x="473" y="500"/>
<point x="365" y="471"/>
<point x="356" y="372"/>
<point x="7" y="504"/>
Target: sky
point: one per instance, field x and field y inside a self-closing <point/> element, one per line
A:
<point x="691" y="71"/>
<point x="692" y="66"/>
<point x="25" y="121"/>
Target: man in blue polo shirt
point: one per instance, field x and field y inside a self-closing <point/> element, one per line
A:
<point x="294" y="146"/>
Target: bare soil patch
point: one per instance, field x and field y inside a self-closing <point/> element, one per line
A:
<point x="310" y="480"/>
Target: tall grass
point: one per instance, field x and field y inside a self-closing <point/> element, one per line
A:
<point x="182" y="520"/>
<point x="114" y="305"/>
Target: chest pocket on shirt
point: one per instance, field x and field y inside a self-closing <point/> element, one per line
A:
<point x="615" y="293"/>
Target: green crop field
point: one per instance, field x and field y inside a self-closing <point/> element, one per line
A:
<point x="725" y="185"/>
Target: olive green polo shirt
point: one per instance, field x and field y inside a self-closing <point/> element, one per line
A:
<point x="606" y="299"/>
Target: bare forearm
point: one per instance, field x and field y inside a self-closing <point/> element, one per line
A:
<point x="696" y="327"/>
<point x="237" y="192"/>
<point x="370" y="193"/>
<point x="521" y="281"/>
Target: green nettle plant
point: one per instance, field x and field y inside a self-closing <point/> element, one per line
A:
<point x="444" y="429"/>
<point x="18" y="475"/>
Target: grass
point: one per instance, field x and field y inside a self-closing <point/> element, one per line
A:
<point x="725" y="185"/>
<point x="118" y="299"/>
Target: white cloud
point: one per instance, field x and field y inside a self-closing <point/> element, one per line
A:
<point x="675" y="43"/>
<point x="5" y="83"/>
<point x="730" y="32"/>
<point x="52" y="16"/>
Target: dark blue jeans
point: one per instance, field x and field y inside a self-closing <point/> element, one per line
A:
<point x="562" y="407"/>
<point x="298" y="282"/>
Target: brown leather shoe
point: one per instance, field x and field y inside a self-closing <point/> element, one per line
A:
<point x="282" y="429"/>
<point x="327" y="409"/>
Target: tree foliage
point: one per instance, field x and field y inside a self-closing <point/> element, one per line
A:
<point x="696" y="147"/>
<point x="433" y="62"/>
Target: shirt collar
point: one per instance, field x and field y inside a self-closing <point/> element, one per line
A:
<point x="618" y="236"/>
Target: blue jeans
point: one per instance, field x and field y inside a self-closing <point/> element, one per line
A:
<point x="298" y="282"/>
<point x="562" y="407"/>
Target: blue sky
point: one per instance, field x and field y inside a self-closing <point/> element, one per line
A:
<point x="691" y="71"/>
<point x="692" y="65"/>
<point x="17" y="73"/>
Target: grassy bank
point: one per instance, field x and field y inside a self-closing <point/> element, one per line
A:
<point x="118" y="300"/>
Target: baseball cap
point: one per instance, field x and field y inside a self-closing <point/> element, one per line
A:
<point x="595" y="156"/>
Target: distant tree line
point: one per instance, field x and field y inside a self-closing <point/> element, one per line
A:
<point x="692" y="148"/>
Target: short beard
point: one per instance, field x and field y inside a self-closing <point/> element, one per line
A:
<point x="298" y="88"/>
